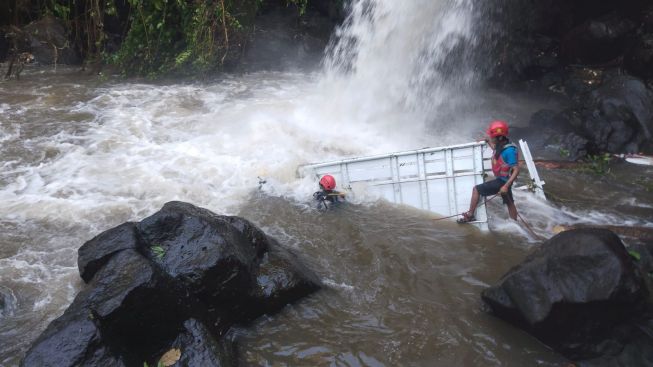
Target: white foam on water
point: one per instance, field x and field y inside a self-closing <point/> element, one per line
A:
<point x="341" y="286"/>
<point x="206" y="144"/>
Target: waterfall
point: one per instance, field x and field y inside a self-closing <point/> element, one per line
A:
<point x="415" y="55"/>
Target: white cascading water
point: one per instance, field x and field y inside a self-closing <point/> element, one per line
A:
<point x="400" y="61"/>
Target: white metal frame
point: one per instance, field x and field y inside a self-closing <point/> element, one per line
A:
<point x="537" y="184"/>
<point x="418" y="178"/>
<point x="439" y="180"/>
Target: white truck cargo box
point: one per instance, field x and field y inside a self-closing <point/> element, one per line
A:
<point x="438" y="180"/>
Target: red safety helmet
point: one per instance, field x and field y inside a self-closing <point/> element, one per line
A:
<point x="497" y="128"/>
<point x="328" y="182"/>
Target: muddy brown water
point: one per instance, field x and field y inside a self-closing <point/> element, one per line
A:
<point x="80" y="155"/>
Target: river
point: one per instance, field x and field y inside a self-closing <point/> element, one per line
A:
<point x="81" y="154"/>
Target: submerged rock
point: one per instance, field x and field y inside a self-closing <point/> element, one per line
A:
<point x="579" y="293"/>
<point x="178" y="279"/>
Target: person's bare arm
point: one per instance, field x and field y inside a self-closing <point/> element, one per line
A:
<point x="513" y="177"/>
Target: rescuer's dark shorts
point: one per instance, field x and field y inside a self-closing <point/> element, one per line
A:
<point x="492" y="188"/>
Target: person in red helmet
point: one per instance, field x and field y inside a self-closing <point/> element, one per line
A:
<point x="505" y="166"/>
<point x="327" y="195"/>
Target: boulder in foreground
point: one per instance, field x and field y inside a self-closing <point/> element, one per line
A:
<point x="582" y="294"/>
<point x="176" y="281"/>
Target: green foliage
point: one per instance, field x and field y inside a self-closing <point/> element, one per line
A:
<point x="598" y="164"/>
<point x="635" y="255"/>
<point x="159" y="364"/>
<point x="181" y="36"/>
<point x="162" y="36"/>
<point x="158" y="251"/>
<point x="61" y="11"/>
<point x="564" y="153"/>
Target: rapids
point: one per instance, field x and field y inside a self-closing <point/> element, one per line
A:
<point x="80" y="155"/>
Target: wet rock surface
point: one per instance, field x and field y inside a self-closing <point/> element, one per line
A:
<point x="178" y="279"/>
<point x="201" y="347"/>
<point x="582" y="294"/>
<point x="94" y="254"/>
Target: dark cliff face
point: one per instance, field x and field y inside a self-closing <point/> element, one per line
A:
<point x="533" y="38"/>
<point x="597" y="54"/>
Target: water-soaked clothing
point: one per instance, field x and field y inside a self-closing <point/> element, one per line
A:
<point x="509" y="157"/>
<point x="327" y="198"/>
<point x="493" y="187"/>
<point x="502" y="168"/>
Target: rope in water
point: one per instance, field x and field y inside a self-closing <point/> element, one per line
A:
<point x="528" y="226"/>
<point x="530" y="229"/>
<point x="459" y="214"/>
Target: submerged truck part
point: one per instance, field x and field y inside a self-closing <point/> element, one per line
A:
<point x="439" y="180"/>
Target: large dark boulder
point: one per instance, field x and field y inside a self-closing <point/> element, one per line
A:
<point x="620" y="114"/>
<point x="579" y="293"/>
<point x="613" y="113"/>
<point x="200" y="249"/>
<point x="225" y="261"/>
<point x="178" y="279"/>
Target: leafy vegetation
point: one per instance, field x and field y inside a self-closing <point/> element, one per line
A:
<point x="564" y="153"/>
<point x="159" y="36"/>
<point x="158" y="251"/>
<point x="635" y="255"/>
<point x="597" y="164"/>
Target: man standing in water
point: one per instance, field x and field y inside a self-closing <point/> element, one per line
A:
<point x="505" y="166"/>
